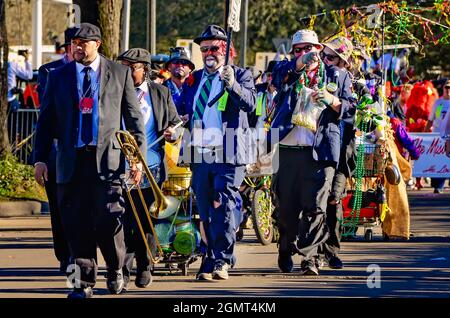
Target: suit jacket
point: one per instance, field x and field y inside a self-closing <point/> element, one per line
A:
<point x="43" y="72"/>
<point x="42" y="81"/>
<point x="59" y="118"/>
<point x="327" y="139"/>
<point x="241" y="100"/>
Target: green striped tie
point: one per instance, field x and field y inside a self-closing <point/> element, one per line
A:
<point x="202" y="99"/>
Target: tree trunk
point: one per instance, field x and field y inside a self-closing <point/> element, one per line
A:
<point x="89" y="11"/>
<point x="110" y="17"/>
<point x="107" y="15"/>
<point x="4" y="141"/>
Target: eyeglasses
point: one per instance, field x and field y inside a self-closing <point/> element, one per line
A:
<point x="306" y="48"/>
<point x="205" y="49"/>
<point x="329" y="57"/>
<point x="447" y="87"/>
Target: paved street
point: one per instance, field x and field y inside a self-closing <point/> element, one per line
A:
<point x="418" y="268"/>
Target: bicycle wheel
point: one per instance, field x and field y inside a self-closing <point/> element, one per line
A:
<point x="262" y="209"/>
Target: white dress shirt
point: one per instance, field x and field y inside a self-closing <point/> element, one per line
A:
<point x="212" y="133"/>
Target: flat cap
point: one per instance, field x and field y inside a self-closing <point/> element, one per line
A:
<point x="136" y="55"/>
<point x="88" y="31"/>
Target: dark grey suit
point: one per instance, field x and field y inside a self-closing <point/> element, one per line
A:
<point x="89" y="188"/>
<point x="59" y="119"/>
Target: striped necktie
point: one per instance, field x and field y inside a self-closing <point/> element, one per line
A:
<point x="202" y="99"/>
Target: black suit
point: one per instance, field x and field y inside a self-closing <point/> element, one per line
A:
<point x="60" y="245"/>
<point x="165" y="115"/>
<point x="88" y="178"/>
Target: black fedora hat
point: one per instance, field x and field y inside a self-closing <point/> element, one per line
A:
<point x="69" y="33"/>
<point x="136" y="55"/>
<point x="180" y="53"/>
<point x="212" y="32"/>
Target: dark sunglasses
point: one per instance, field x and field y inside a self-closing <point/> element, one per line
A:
<point x="205" y="49"/>
<point x="329" y="57"/>
<point x="447" y="87"/>
<point x="306" y="48"/>
<point x="182" y="62"/>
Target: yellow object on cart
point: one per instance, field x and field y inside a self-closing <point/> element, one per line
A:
<point x="178" y="178"/>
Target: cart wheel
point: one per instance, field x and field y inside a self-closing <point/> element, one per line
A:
<point x="184" y="268"/>
<point x="262" y="210"/>
<point x="368" y="235"/>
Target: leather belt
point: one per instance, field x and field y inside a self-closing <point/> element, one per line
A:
<point x="296" y="147"/>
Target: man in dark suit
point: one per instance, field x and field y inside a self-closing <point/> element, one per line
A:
<point x="83" y="112"/>
<point x="220" y="146"/>
<point x="160" y="115"/>
<point x="60" y="245"/>
<point x="308" y="153"/>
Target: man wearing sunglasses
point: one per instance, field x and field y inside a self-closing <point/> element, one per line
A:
<point x="220" y="146"/>
<point x="308" y="156"/>
<point x="180" y="67"/>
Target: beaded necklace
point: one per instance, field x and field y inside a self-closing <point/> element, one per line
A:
<point x="351" y="223"/>
<point x="318" y="79"/>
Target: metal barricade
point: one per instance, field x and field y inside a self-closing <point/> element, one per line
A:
<point x="21" y="126"/>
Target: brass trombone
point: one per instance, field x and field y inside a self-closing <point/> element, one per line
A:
<point x="163" y="206"/>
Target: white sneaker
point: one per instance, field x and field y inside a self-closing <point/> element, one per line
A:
<point x="220" y="271"/>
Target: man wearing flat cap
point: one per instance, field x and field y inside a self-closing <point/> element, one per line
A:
<point x="159" y="115"/>
<point x="60" y="245"/>
<point x="84" y="104"/>
<point x="180" y="67"/>
<point x="219" y="148"/>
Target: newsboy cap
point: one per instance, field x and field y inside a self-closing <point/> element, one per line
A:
<point x="88" y="31"/>
<point x="212" y="32"/>
<point x="136" y="55"/>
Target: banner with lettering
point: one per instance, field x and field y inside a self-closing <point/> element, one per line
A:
<point x="432" y="162"/>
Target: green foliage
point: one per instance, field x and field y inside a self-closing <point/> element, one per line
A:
<point x="270" y="19"/>
<point x="17" y="181"/>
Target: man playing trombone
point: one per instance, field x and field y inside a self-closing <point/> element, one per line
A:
<point x="159" y="115"/>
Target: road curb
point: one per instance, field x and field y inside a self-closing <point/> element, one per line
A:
<point x="22" y="208"/>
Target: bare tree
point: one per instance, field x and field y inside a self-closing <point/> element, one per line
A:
<point x="4" y="141"/>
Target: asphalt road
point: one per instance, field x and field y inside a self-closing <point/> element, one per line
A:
<point x="417" y="268"/>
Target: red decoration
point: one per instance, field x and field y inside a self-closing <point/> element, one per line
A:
<point x="190" y="80"/>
